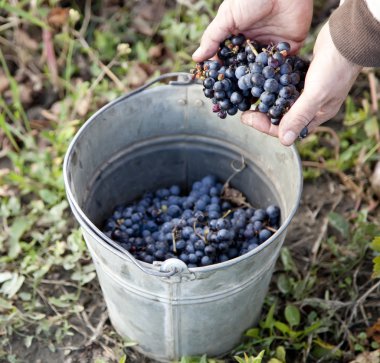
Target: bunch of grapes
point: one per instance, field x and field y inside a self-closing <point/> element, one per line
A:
<point x="251" y="74"/>
<point x="201" y="228"/>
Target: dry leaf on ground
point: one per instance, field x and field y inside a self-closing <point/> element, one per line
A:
<point x="58" y="17"/>
<point x="374" y="332"/>
<point x="368" y="357"/>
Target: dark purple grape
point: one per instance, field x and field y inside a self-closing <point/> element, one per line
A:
<point x="241" y="57"/>
<point x="279" y="58"/>
<point x="214" y="65"/>
<point x="222" y="114"/>
<point x="238" y="39"/>
<point x="286" y="92"/>
<point x="240" y="71"/>
<point x="295" y="77"/>
<point x="244" y="105"/>
<point x="213" y="73"/>
<point x="271" y="85"/>
<point x="209" y="93"/>
<point x="285" y="80"/>
<point x="232" y="111"/>
<point x="219" y="95"/>
<point x="251" y="58"/>
<point x="224" y="53"/>
<point x="225" y="104"/>
<point x="256" y="91"/>
<point x="262" y="58"/>
<point x="283" y="46"/>
<point x="268" y="98"/>
<point x="236" y="98"/>
<point x="256" y="67"/>
<point x="272" y="62"/>
<point x="227" y="84"/>
<point x="275" y="112"/>
<point x="268" y="72"/>
<point x="208" y="83"/>
<point x="257" y="79"/>
<point x="304" y="132"/>
<point x="285" y="68"/>
<point x="263" y="107"/>
<point x="230" y="73"/>
<point x="218" y="86"/>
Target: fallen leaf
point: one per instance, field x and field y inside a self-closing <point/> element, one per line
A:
<point x="156" y="51"/>
<point x="234" y="196"/>
<point x="368" y="357"/>
<point x="83" y="104"/>
<point x="58" y="17"/>
<point x="374" y="331"/>
<point x="143" y="26"/>
<point x="137" y="76"/>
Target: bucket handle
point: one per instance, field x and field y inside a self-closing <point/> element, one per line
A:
<point x="183" y="79"/>
<point x="170" y="268"/>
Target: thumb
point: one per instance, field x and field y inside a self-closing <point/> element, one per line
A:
<point x="300" y="115"/>
<point x="216" y="32"/>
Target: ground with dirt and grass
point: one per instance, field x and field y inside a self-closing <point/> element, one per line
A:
<point x="63" y="60"/>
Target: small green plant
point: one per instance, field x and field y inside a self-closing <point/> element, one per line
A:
<point x="250" y="359"/>
<point x="375" y="245"/>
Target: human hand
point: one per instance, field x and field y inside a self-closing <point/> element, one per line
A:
<point x="328" y="81"/>
<point x="264" y="21"/>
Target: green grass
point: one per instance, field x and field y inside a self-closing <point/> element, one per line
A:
<point x="317" y="308"/>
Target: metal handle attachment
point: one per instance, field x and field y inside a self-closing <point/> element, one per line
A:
<point x="183" y="79"/>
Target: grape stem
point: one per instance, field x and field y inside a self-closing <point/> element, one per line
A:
<point x="254" y="51"/>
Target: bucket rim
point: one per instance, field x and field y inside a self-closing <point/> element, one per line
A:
<point x="112" y="246"/>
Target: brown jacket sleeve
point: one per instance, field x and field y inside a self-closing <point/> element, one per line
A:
<point x="356" y="33"/>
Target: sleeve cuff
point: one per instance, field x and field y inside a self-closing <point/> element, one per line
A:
<point x="356" y="33"/>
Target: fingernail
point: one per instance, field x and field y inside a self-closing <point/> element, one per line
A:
<point x="289" y="137"/>
<point x="197" y="53"/>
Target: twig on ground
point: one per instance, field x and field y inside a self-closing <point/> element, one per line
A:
<point x="361" y="300"/>
<point x="49" y="54"/>
<point x="95" y="59"/>
<point x="373" y="91"/>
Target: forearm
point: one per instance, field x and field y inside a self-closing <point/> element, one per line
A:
<point x="355" y="30"/>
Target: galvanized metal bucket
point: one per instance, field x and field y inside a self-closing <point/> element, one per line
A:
<point x="153" y="138"/>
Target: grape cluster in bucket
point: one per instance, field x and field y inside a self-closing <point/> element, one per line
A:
<point x="201" y="228"/>
<point x="248" y="73"/>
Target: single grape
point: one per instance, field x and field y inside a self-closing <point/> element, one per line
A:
<point x="240" y="71"/>
<point x="238" y="39"/>
<point x="283" y="46"/>
<point x="285" y="68"/>
<point x="271" y="85"/>
<point x="304" y="132"/>
<point x="232" y="111"/>
<point x="256" y="91"/>
<point x="268" y="98"/>
<point x="263" y="107"/>
<point x="256" y="67"/>
<point x="262" y="58"/>
<point x="236" y="98"/>
<point x="208" y="83"/>
<point x="257" y="79"/>
<point x="268" y="72"/>
<point x="285" y="79"/>
<point x="244" y="105"/>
